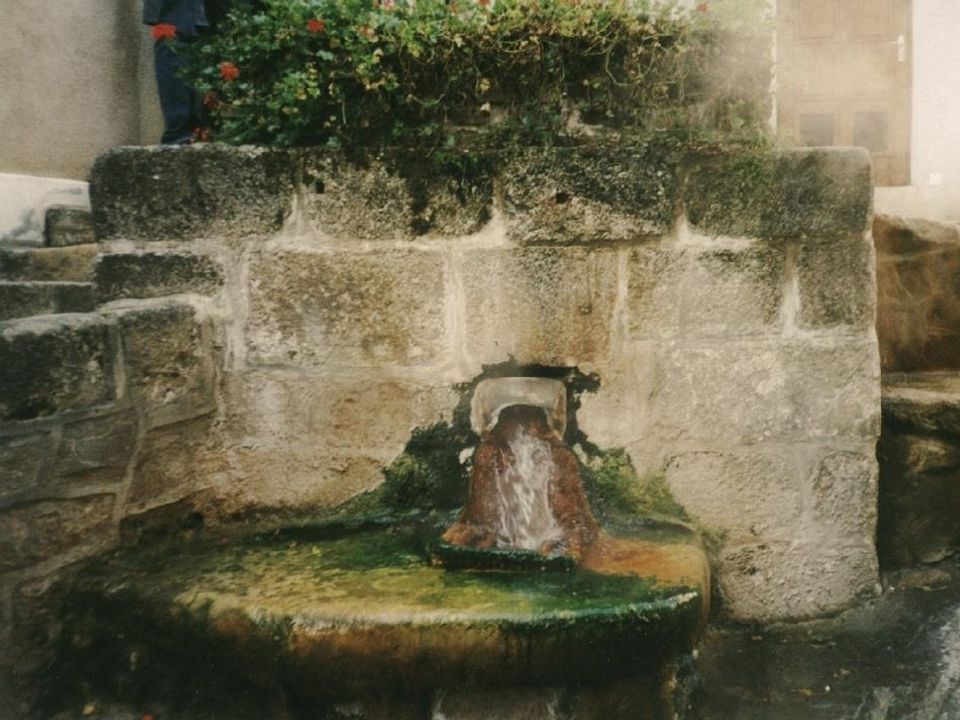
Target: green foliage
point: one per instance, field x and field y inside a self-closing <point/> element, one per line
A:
<point x="437" y="74"/>
<point x="617" y="492"/>
<point x="428" y="475"/>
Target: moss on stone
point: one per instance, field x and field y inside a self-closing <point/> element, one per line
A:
<point x="617" y="493"/>
<point x="429" y="474"/>
<point x="800" y="193"/>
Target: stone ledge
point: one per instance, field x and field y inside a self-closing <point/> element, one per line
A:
<point x="28" y="298"/>
<point x="927" y="402"/>
<point x="55" y="363"/>
<point x="564" y="196"/>
<point x="72" y="264"/>
<point x="168" y="355"/>
<point x="182" y="193"/>
<point x="122" y="275"/>
<point x="823" y="193"/>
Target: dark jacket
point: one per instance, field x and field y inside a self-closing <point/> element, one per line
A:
<point x="184" y="14"/>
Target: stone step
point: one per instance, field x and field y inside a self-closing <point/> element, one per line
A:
<point x="19" y="299"/>
<point x="67" y="225"/>
<point x="919" y="454"/>
<point x="65" y="264"/>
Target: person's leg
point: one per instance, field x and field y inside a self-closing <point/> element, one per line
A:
<point x="177" y="99"/>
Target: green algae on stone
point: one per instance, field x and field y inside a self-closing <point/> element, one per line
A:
<point x="823" y="193"/>
<point x="429" y="473"/>
<point x="618" y="494"/>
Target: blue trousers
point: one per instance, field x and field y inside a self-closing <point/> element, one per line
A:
<point x="178" y="101"/>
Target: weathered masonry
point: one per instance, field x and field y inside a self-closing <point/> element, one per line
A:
<point x="271" y="324"/>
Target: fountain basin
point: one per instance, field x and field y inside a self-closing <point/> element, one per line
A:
<point x="365" y="613"/>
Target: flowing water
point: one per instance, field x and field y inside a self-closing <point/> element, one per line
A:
<point x="525" y="518"/>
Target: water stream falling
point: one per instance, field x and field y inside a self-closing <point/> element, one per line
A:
<point x="525" y="518"/>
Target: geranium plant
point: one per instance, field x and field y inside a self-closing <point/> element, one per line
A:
<point x="368" y="72"/>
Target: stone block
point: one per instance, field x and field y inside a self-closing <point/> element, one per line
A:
<point x="168" y="357"/>
<point x="337" y="411"/>
<point x="176" y="460"/>
<point x="791" y="580"/>
<point x="704" y="293"/>
<point x="743" y="493"/>
<point x="182" y="193"/>
<point x="155" y="274"/>
<point x="925" y="402"/>
<point x="319" y="308"/>
<point x="96" y="450"/>
<point x="63" y="264"/>
<point x="297" y="476"/>
<point x="822" y="193"/>
<point x="27" y="298"/>
<point x="762" y="390"/>
<point x="552" y="306"/>
<point x="395" y="196"/>
<point x="918" y="294"/>
<point x="843" y="495"/>
<point x="67" y="225"/>
<point x="22" y="458"/>
<point x="586" y="195"/>
<point x="55" y="363"/>
<point x="919" y="497"/>
<point x="837" y="283"/>
<point x="33" y="532"/>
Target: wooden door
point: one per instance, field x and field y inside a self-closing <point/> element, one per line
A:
<point x="844" y="78"/>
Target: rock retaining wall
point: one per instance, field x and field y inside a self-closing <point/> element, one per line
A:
<point x="273" y="324"/>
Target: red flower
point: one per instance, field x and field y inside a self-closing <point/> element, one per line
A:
<point x="229" y="72"/>
<point x="702" y="8"/>
<point x="211" y="100"/>
<point x="163" y="31"/>
<point x="316" y="26"/>
<point x="483" y="3"/>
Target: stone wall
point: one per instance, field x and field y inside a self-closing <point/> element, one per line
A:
<point x="273" y="324"/>
<point x="104" y="417"/>
<point x="727" y="305"/>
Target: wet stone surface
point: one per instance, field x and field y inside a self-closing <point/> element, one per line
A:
<point x="896" y="657"/>
<point x="304" y="620"/>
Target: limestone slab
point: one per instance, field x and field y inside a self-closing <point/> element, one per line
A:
<point x="54" y="363"/>
<point x="176" y="460"/>
<point x="311" y="309"/>
<point x="394" y="196"/>
<point x="843" y="494"/>
<point x="745" y="493"/>
<point x="96" y="450"/>
<point x="37" y="531"/>
<point x="704" y="293"/>
<point x="552" y="306"/>
<point x="168" y="357"/>
<point x="918" y="294"/>
<point x="928" y="402"/>
<point x="28" y="298"/>
<point x="67" y="225"/>
<point x="768" y="581"/>
<point x="837" y="282"/>
<point x="155" y="274"/>
<point x="569" y="196"/>
<point x="822" y="193"/>
<point x="182" y="193"/>
<point x="22" y="458"/>
<point x="72" y="264"/>
<point x="762" y="390"/>
<point x="919" y="497"/>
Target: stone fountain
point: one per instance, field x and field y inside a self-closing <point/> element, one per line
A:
<point x="366" y="609"/>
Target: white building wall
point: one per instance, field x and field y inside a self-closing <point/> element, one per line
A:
<point x="934" y="192"/>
